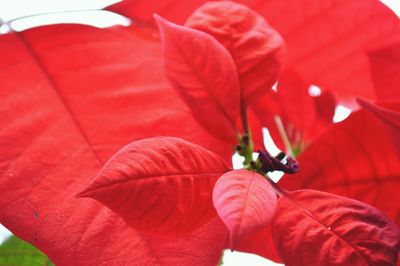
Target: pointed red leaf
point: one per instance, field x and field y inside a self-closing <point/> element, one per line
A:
<point x="318" y="228"/>
<point x="257" y="49"/>
<point x="204" y="74"/>
<point x="160" y="185"/>
<point x="390" y="119"/>
<point x="85" y="93"/>
<point x="354" y="158"/>
<point x="245" y="201"/>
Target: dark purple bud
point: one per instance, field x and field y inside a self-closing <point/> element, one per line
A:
<point x="281" y="156"/>
<point x="281" y="162"/>
<point x="292" y="165"/>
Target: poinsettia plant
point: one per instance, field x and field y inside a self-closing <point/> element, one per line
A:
<point x="117" y="143"/>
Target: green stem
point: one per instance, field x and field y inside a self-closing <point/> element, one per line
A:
<point x="248" y="156"/>
<point x="284" y="136"/>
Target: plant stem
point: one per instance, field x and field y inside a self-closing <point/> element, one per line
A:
<point x="243" y="115"/>
<point x="248" y="155"/>
<point x="284" y="136"/>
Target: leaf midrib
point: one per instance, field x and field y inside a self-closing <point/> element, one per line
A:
<point x="151" y="178"/>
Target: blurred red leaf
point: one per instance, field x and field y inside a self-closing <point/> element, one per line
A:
<point x="355" y="159"/>
<point x="205" y="76"/>
<point x="385" y="68"/>
<point x="303" y="117"/>
<point x="245" y="201"/>
<point x="318" y="228"/>
<point x="297" y="108"/>
<point x="256" y="48"/>
<point x="325" y="106"/>
<point x="389" y="115"/>
<point x="71" y="97"/>
<point x="159" y="185"/>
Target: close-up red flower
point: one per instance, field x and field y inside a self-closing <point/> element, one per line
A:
<point x="116" y="143"/>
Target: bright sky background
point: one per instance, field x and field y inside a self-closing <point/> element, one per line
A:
<point x="10" y="10"/>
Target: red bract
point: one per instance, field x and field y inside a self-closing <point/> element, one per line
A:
<point x="389" y="115"/>
<point x="324" y="49"/>
<point x="161" y="186"/>
<point x="317" y="228"/>
<point x="302" y="116"/>
<point x="256" y="48"/>
<point x="354" y="158"/>
<point x="244" y="201"/>
<point x="84" y="94"/>
<point x="204" y="74"/>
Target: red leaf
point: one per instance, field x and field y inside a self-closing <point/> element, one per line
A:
<point x="245" y="201"/>
<point x="259" y="242"/>
<point x="390" y="119"/>
<point x="161" y="185"/>
<point x="334" y="60"/>
<point x="204" y="74"/>
<point x="257" y="49"/>
<point x="317" y="228"/>
<point x="355" y="159"/>
<point x="385" y="68"/>
<point x="77" y="103"/>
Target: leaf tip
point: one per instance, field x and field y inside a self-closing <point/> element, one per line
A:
<point x="363" y="103"/>
<point x="161" y="22"/>
<point x="86" y="193"/>
<point x="157" y="17"/>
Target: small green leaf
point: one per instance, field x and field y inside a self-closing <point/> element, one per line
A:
<point x="16" y="252"/>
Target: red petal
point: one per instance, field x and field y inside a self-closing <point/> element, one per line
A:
<point x="77" y="103"/>
<point x="160" y="185"/>
<point x="257" y="49"/>
<point x="204" y="75"/>
<point x="317" y="228"/>
<point x="355" y="159"/>
<point x="245" y="201"/>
